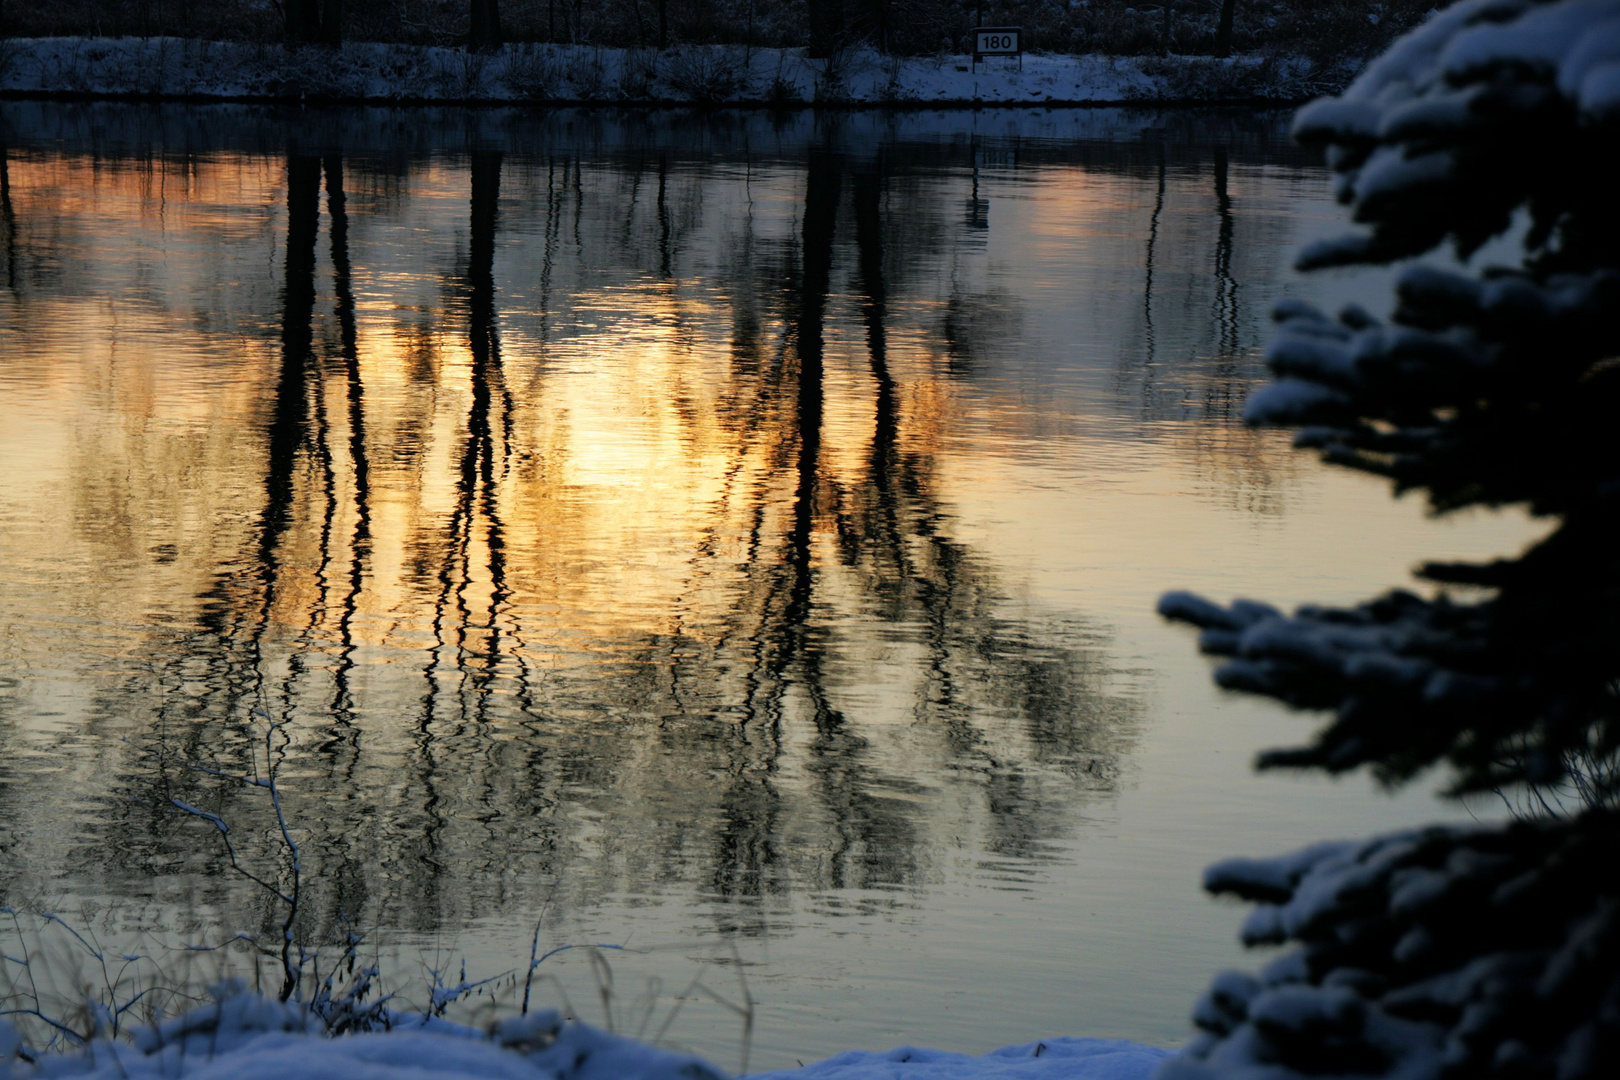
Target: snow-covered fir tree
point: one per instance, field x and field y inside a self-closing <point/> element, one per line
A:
<point x="1454" y="952"/>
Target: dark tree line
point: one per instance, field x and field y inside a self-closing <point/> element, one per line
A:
<point x="1326" y="30"/>
<point x="312" y="21"/>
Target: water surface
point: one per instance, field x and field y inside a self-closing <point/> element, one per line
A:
<point x="728" y="535"/>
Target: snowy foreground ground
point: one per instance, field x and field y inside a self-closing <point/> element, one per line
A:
<point x="718" y="74"/>
<point x="246" y="1037"/>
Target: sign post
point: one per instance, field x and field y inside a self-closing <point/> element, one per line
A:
<point x="998" y="41"/>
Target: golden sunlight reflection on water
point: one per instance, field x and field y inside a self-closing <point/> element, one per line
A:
<point x="746" y="532"/>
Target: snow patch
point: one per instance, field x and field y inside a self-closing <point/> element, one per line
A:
<point x="1049" y="1059"/>
<point x="243" y="1036"/>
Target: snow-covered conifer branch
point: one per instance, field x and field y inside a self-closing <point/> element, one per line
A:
<point x="1443" y="952"/>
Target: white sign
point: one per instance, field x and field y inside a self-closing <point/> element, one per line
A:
<point x="996" y="41"/>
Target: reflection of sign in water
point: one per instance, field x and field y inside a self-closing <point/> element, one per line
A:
<point x="998" y="41"/>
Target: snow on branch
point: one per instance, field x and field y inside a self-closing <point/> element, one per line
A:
<point x="1513" y="689"/>
<point x="1442" y="952"/>
<point x="1488" y="389"/>
<point x="1490" y="106"/>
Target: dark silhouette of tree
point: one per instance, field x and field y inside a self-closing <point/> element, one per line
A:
<point x="824" y="21"/>
<point x="833" y="24"/>
<point x="360" y="541"/>
<point x="310" y="22"/>
<point x="484" y="29"/>
<point x="8" y="220"/>
<point x="1223" y="28"/>
<point x="1453" y="952"/>
<point x="1226" y="312"/>
<point x="489" y="435"/>
<point x="332" y="22"/>
<point x="289" y="421"/>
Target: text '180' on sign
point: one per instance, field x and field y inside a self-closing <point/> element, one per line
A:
<point x="996" y="41"/>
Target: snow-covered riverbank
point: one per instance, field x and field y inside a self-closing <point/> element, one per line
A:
<point x="247" y="1037"/>
<point x="719" y="74"/>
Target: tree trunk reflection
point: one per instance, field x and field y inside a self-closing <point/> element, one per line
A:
<point x="755" y="657"/>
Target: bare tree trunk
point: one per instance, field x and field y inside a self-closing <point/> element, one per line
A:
<point x="641" y="25"/>
<point x="826" y="19"/>
<point x="1223" y="29"/>
<point x="331" y="22"/>
<point x="823" y="182"/>
<point x="289" y="423"/>
<point x="303" y="21"/>
<point x="360" y="539"/>
<point x="485" y="30"/>
<point x="870" y="22"/>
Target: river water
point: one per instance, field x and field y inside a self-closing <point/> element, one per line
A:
<point x="729" y="536"/>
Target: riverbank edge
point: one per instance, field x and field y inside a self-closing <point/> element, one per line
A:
<point x="186" y="70"/>
<point x="648" y="104"/>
